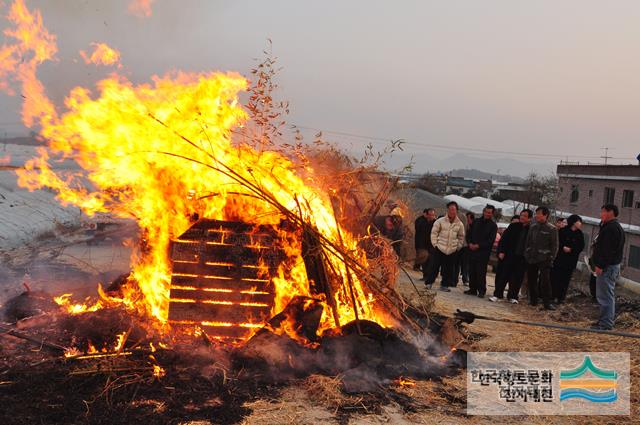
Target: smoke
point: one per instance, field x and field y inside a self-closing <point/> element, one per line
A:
<point x="365" y="362"/>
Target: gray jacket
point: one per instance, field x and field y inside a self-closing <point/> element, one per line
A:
<point x="542" y="244"/>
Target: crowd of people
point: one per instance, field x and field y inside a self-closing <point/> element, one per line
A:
<point x="531" y="246"/>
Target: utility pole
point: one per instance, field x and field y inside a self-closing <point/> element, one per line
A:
<point x="606" y="155"/>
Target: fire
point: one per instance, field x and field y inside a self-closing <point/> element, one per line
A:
<point x="405" y="382"/>
<point x="64" y="300"/>
<point x="445" y="357"/>
<point x="140" y="8"/>
<point x="102" y="54"/>
<point x="33" y="46"/>
<point x="120" y="340"/>
<point x="158" y="153"/>
<point x="158" y="371"/>
<point x="92" y="352"/>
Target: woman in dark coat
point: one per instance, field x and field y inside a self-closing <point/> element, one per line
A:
<point x="571" y="245"/>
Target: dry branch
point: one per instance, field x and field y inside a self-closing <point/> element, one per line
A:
<point x="31" y="339"/>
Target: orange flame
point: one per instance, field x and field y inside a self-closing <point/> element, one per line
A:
<point x="405" y="382"/>
<point x="102" y="54"/>
<point x="19" y="61"/>
<point x="158" y="371"/>
<point x="154" y="152"/>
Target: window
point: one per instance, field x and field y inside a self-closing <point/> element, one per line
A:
<point x="575" y="194"/>
<point x="634" y="257"/>
<point x="638" y="204"/>
<point x="627" y="198"/>
<point x="590" y="193"/>
<point x="609" y="195"/>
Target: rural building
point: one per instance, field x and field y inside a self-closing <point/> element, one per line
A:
<point x="583" y="189"/>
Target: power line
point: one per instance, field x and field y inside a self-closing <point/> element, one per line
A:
<point x="457" y="148"/>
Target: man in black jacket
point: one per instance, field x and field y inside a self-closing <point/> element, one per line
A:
<point x="607" y="256"/>
<point x="482" y="234"/>
<point x="571" y="245"/>
<point x="423" y="225"/>
<point x="540" y="250"/>
<point x="511" y="263"/>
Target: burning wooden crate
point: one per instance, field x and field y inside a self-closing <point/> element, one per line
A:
<point x="222" y="277"/>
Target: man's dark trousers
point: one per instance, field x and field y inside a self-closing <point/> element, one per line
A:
<point x="539" y="277"/>
<point x="478" y="261"/>
<point x="431" y="267"/>
<point x="448" y="268"/>
<point x="512" y="270"/>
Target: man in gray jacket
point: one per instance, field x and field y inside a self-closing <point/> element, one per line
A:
<point x="541" y="248"/>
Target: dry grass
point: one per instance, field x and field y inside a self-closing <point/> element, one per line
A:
<point x="326" y="391"/>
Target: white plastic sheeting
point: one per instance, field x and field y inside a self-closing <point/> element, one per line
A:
<point x="477" y="204"/>
<point x="466" y="204"/>
<point x="519" y="206"/>
<point x="26" y="216"/>
<point x="505" y="208"/>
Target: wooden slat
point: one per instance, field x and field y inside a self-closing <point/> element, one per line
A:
<point x="221" y="270"/>
<point x="217" y="313"/>
<point x="235" y="296"/>
<point x="235" y="226"/>
<point x="230" y="247"/>
<point x="242" y="255"/>
<point x="224" y="331"/>
<point x="185" y="251"/>
<point x="233" y="284"/>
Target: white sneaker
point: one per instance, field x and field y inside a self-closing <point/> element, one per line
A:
<point x="513" y="301"/>
<point x="493" y="299"/>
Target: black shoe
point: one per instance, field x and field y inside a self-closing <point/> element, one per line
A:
<point x="600" y="328"/>
<point x="533" y="304"/>
<point x="445" y="289"/>
<point x="550" y="307"/>
<point x="470" y="292"/>
<point x="480" y="295"/>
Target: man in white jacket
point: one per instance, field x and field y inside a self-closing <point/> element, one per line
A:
<point x="447" y="237"/>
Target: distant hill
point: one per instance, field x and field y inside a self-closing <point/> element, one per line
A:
<point x="472" y="173"/>
<point x="425" y="163"/>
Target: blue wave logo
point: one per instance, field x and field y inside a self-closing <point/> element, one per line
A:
<point x="601" y="388"/>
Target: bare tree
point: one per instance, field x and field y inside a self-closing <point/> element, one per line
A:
<point x="541" y="190"/>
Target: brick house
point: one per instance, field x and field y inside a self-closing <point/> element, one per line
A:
<point x="583" y="189"/>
